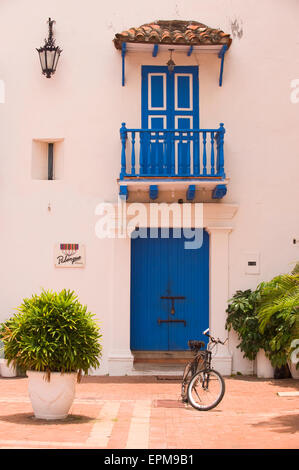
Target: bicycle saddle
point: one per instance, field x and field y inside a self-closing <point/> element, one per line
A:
<point x="195" y="345"/>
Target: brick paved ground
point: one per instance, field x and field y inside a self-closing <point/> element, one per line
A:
<point x="144" y="412"/>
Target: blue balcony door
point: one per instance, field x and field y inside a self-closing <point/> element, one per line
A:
<point x="169" y="101"/>
<point x="162" y="267"/>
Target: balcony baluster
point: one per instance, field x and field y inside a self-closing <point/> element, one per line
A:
<point x="173" y="153"/>
<point x="204" y="154"/>
<point x="212" y="155"/>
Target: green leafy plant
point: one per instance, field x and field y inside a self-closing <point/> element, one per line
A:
<point x="278" y="311"/>
<point x="52" y="332"/>
<point x="243" y="319"/>
<point x="267" y="318"/>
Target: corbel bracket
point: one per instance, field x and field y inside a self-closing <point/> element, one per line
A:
<point x="221" y="56"/>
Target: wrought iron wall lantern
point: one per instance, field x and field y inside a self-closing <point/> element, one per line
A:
<point x="49" y="53"/>
<point x="170" y="64"/>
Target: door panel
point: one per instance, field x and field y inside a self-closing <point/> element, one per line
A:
<point x="169" y="101"/>
<point x="169" y="94"/>
<point x="183" y="92"/>
<point x="157" y="91"/>
<point x="148" y="272"/>
<point x="162" y="267"/>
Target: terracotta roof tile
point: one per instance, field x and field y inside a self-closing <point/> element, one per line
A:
<point x="173" y="32"/>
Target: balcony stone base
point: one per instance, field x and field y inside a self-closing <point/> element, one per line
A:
<point x="172" y="190"/>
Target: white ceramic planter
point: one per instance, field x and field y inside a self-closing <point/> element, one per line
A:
<point x="293" y="370"/>
<point x="51" y="400"/>
<point x="264" y="368"/>
<point x="7" y="370"/>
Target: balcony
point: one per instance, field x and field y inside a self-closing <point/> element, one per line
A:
<point x="177" y="160"/>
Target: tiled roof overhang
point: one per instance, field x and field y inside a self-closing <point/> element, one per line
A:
<point x="173" y="32"/>
<point x="182" y="36"/>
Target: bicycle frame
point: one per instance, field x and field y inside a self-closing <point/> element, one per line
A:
<point x="201" y="361"/>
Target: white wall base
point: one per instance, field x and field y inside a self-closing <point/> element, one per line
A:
<point x="120" y="363"/>
<point x="222" y="364"/>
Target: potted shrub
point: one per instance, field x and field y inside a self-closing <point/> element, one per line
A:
<point x="5" y="369"/>
<point x="55" y="339"/>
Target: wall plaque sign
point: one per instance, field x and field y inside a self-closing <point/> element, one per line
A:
<point x="69" y="255"/>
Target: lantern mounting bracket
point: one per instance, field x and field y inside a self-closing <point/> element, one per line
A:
<point x="50" y="41"/>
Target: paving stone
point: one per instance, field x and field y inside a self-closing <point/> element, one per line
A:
<point x="143" y="412"/>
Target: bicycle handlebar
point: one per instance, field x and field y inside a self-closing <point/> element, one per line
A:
<point x="214" y="340"/>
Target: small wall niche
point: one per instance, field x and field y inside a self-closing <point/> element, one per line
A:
<point x="47" y="159"/>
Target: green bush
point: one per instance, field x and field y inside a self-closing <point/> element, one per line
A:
<point x="267" y="318"/>
<point x="278" y="312"/>
<point x="243" y="319"/>
<point x="52" y="332"/>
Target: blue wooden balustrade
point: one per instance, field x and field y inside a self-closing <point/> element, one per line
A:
<point x="165" y="153"/>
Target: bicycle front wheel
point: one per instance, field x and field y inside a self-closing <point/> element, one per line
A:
<point x="206" y="389"/>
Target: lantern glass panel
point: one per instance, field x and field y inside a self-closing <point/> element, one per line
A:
<point x="50" y="59"/>
<point x="57" y="54"/>
<point x="42" y="57"/>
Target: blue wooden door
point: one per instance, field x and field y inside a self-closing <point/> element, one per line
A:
<point x="169" y="101"/>
<point x="162" y="267"/>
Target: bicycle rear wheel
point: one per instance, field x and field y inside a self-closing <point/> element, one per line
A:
<point x="206" y="389"/>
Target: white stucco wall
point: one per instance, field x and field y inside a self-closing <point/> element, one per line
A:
<point x="84" y="104"/>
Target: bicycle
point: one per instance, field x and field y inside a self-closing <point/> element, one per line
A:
<point x="202" y="386"/>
